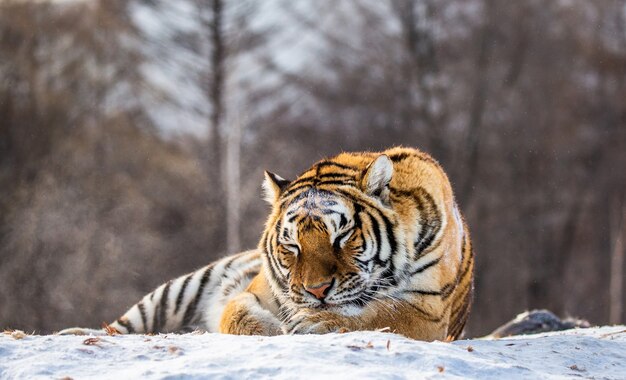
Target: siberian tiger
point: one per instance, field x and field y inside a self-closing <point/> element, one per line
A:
<point x="360" y="241"/>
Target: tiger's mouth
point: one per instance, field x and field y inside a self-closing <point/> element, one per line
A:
<point x="358" y="300"/>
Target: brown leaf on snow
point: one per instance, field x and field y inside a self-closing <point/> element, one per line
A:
<point x="359" y="348"/>
<point x="470" y="349"/>
<point x="577" y="368"/>
<point x="110" y="330"/>
<point x="440" y="368"/>
<point x="174" y="350"/>
<point x="91" y="341"/>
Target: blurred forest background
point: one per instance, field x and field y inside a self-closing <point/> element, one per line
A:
<point x="134" y="133"/>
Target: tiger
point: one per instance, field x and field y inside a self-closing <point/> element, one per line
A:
<point x="359" y="241"/>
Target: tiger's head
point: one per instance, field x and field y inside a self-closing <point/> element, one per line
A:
<point x="330" y="239"/>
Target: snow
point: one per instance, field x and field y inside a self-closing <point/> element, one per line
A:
<point x="589" y="353"/>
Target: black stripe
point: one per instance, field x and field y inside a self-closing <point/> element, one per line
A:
<point x="144" y="319"/>
<point x="230" y="263"/>
<point x="361" y="261"/>
<point x="466" y="293"/>
<point x="273" y="264"/>
<point x="426" y="266"/>
<point x="423" y="292"/>
<point x="265" y="243"/>
<point x="332" y="163"/>
<point x="376" y="231"/>
<point x="468" y="266"/>
<point x="342" y="221"/>
<point x="429" y="317"/>
<point x="337" y="242"/>
<point x="465" y="307"/>
<point x="276" y="273"/>
<point x="336" y="176"/>
<point x="328" y="211"/>
<point x="401" y="156"/>
<point x="181" y="292"/>
<point x="460" y="325"/>
<point x="447" y="290"/>
<point x="246" y="276"/>
<point x="390" y="236"/>
<point x="191" y="308"/>
<point x="300" y="180"/>
<point x="126" y="324"/>
<point x="397" y="157"/>
<point x="444" y="292"/>
<point x="429" y="218"/>
<point x="337" y="182"/>
<point x="315" y="179"/>
<point x="293" y="190"/>
<point x="155" y="319"/>
<point x="161" y="320"/>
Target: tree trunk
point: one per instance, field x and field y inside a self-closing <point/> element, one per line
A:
<point x="233" y="182"/>
<point x="616" y="287"/>
<point x="216" y="89"/>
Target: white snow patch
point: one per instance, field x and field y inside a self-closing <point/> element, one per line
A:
<point x="589" y="353"/>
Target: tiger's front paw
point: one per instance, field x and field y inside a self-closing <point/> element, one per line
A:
<point x="310" y="322"/>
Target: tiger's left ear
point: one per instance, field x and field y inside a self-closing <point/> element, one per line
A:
<point x="375" y="181"/>
<point x="273" y="186"/>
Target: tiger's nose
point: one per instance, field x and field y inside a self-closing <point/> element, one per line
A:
<point x="319" y="290"/>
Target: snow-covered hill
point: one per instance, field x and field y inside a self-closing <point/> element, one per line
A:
<point x="589" y="353"/>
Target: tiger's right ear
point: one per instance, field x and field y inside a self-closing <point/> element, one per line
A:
<point x="273" y="186"/>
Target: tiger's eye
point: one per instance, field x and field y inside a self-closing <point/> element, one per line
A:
<point x="343" y="238"/>
<point x="290" y="248"/>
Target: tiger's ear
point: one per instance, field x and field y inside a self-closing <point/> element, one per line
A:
<point x="375" y="181"/>
<point x="273" y="186"/>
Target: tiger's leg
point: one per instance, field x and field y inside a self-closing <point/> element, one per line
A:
<point x="245" y="316"/>
<point x="249" y="313"/>
<point x="179" y="304"/>
<point x="171" y="306"/>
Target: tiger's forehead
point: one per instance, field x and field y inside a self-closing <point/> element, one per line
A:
<point x="316" y="202"/>
<point x="318" y="206"/>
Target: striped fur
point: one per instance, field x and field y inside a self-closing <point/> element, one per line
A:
<point x="194" y="301"/>
<point x="384" y="230"/>
<point x="361" y="241"/>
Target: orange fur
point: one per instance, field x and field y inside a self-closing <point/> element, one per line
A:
<point x="398" y="205"/>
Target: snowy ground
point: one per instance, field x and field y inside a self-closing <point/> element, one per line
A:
<point x="598" y="353"/>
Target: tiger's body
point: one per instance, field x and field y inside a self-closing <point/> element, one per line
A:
<point x="361" y="241"/>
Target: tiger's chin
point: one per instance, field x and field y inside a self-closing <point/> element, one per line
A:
<point x="328" y="306"/>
